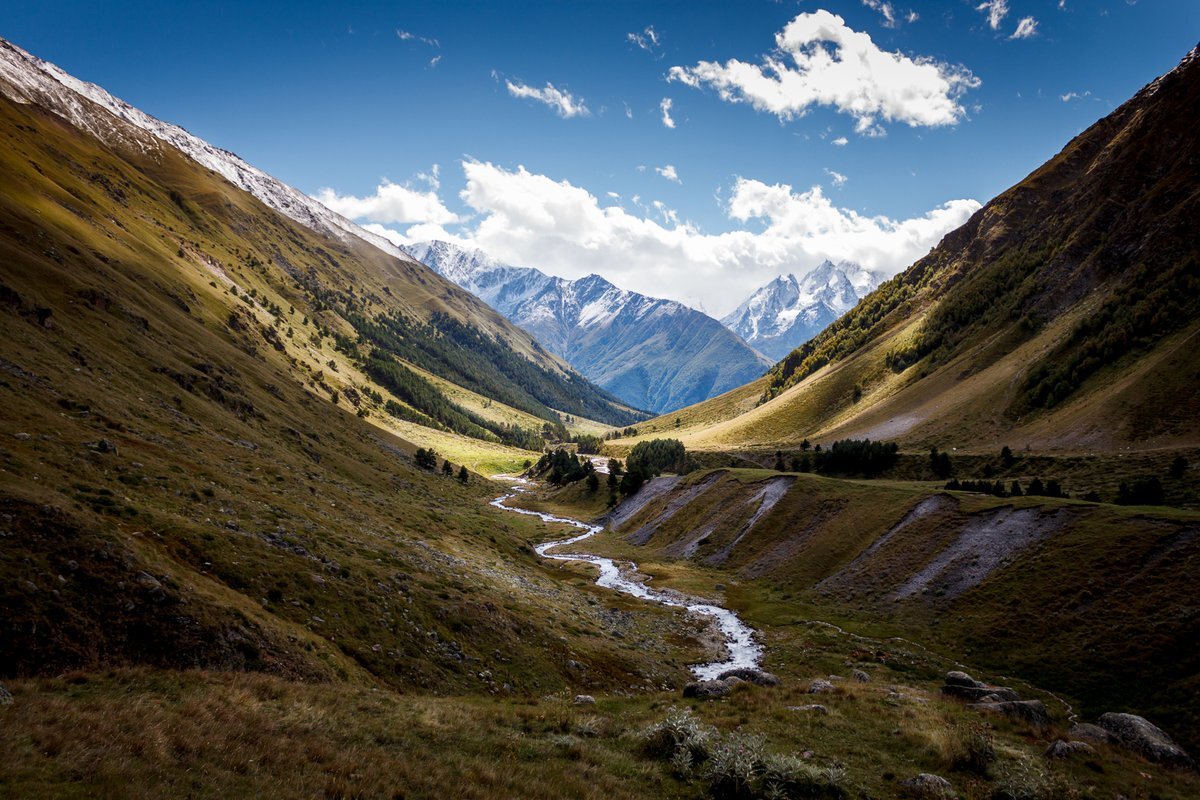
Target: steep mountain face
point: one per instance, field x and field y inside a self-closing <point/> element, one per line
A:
<point x="378" y="300"/>
<point x="787" y="312"/>
<point x="1062" y="315"/>
<point x="651" y="353"/>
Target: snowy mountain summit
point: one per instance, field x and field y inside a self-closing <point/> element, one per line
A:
<point x="787" y="312"/>
<point x="652" y="353"/>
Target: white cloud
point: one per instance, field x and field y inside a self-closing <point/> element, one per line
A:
<point x="839" y="180"/>
<point x="885" y="9"/>
<point x="1069" y="96"/>
<point x="1026" y="28"/>
<point x="526" y="218"/>
<point x="669" y="173"/>
<point x="912" y="17"/>
<point x="433" y="62"/>
<point x="996" y="11"/>
<point x="628" y="110"/>
<point x="665" y="108"/>
<point x="406" y="36"/>
<point x="565" y="104"/>
<point x="833" y="65"/>
<point x="396" y="204"/>
<point x="840" y="141"/>
<point x="646" y="40"/>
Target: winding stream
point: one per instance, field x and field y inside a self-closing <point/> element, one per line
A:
<point x="740" y="642"/>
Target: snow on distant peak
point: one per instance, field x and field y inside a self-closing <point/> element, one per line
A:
<point x="26" y="78"/>
<point x="788" y="311"/>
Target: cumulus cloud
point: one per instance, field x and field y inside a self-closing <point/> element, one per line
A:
<point x="669" y="173"/>
<point x="665" y="108"/>
<point x="839" y="180"/>
<point x="1026" y="28"/>
<point x="563" y="103"/>
<point x="840" y="141"/>
<point x="527" y="218"/>
<point x="421" y="209"/>
<point x="833" y="65"/>
<point x="996" y="11"/>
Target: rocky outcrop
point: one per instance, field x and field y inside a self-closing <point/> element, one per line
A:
<point x="1060" y="749"/>
<point x="962" y="686"/>
<point x="1140" y="735"/>
<point x="821" y="686"/>
<point x="1031" y="711"/>
<point x="756" y="676"/>
<point x="707" y="690"/>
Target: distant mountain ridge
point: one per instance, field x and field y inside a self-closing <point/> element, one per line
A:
<point x="787" y="312"/>
<point x="650" y="352"/>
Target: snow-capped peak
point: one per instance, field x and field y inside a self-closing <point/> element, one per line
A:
<point x="788" y="311"/>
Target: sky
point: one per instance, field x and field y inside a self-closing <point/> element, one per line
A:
<point x="685" y="150"/>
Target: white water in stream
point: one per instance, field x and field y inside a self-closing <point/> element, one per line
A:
<point x="744" y="651"/>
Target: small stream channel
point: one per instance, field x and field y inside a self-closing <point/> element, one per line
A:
<point x="739" y="638"/>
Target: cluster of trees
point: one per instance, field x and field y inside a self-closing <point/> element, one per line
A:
<point x="427" y="458"/>
<point x="1152" y="304"/>
<point x="562" y="467"/>
<point x="589" y="444"/>
<point x="1142" y="492"/>
<point x="939" y="463"/>
<point x="855" y="457"/>
<point x="1036" y="488"/>
<point x="620" y="434"/>
<point x="657" y="456"/>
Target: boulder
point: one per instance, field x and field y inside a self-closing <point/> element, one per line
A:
<point x="981" y="694"/>
<point x="819" y="686"/>
<point x="1093" y="733"/>
<point x="1060" y="748"/>
<point x="1140" y="735"/>
<point x="705" y="690"/>
<point x="964" y="687"/>
<point x="1031" y="711"/>
<point x="815" y="708"/>
<point x="584" y="700"/>
<point x="756" y="676"/>
<point x="929" y="785"/>
<point x="860" y="676"/>
<point x="956" y="678"/>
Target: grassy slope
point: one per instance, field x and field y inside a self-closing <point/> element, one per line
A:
<point x="1100" y="611"/>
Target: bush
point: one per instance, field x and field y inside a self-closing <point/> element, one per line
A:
<point x="735" y="765"/>
<point x="679" y="731"/>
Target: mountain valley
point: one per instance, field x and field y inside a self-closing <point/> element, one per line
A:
<point x="288" y="510"/>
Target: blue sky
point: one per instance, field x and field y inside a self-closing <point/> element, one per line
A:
<point x="545" y="120"/>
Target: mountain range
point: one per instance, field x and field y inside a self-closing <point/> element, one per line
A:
<point x="651" y="353"/>
<point x="787" y="312"/>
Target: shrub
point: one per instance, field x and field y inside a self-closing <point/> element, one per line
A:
<point x="678" y="731"/>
